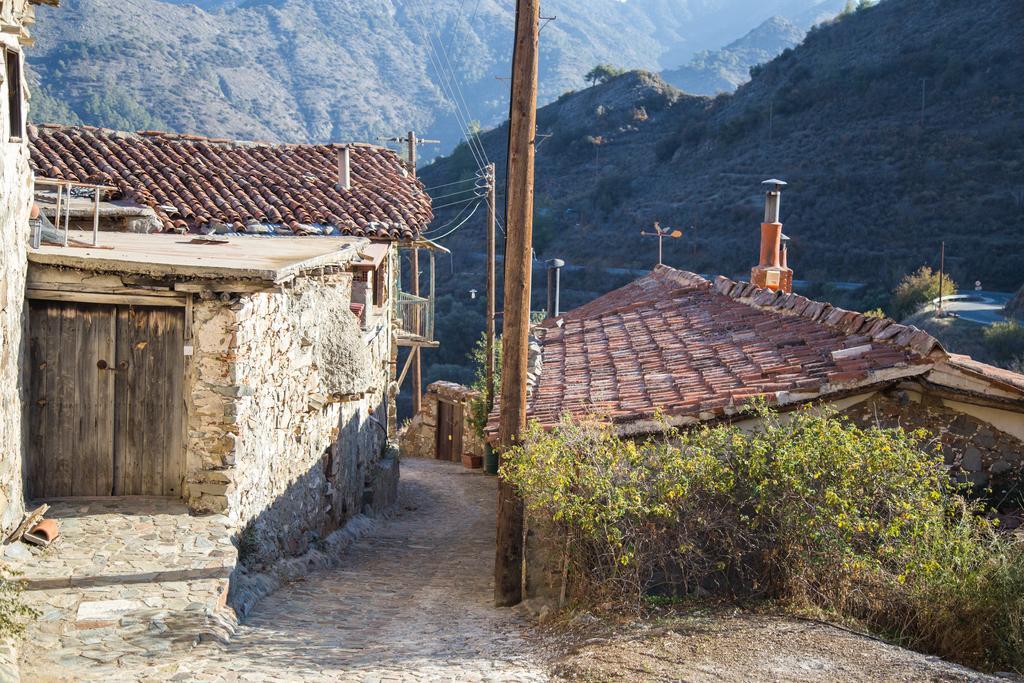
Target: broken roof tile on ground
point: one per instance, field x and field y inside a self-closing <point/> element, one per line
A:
<point x="197" y="184"/>
<point x="676" y="344"/>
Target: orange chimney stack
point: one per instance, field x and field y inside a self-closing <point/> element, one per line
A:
<point x="773" y="271"/>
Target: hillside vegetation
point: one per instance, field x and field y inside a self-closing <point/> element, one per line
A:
<point x="716" y="71"/>
<point x="334" y="70"/>
<point x="873" y="192"/>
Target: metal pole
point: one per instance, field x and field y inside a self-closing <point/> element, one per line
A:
<point x="554" y="283"/>
<point x="96" y="220"/>
<point x="67" y="216"/>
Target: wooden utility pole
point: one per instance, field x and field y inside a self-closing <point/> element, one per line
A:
<point x="411" y="141"/>
<point x="508" y="561"/>
<point x="491" y="282"/>
<point x="417" y="367"/>
<point x="942" y="273"/>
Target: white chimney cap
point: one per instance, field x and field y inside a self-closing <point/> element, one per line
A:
<point x="775" y="182"/>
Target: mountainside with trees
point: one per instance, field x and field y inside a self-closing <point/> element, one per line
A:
<point x="897" y="127"/>
<point x="333" y="70"/>
<point x="716" y="71"/>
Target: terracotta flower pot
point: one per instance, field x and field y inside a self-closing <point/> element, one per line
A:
<point x="473" y="462"/>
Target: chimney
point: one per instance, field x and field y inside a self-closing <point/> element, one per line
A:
<point x="772" y="273"/>
<point x="344" y="168"/>
<point x="787" y="272"/>
<point x="554" y="286"/>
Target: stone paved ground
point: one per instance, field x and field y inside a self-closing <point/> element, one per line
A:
<point x="412" y="602"/>
<point x="128" y="583"/>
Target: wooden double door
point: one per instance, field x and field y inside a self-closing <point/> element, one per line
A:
<point x="106" y="405"/>
<point x="450" y="423"/>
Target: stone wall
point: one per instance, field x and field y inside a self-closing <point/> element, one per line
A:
<point x="419" y="438"/>
<point x="289" y="450"/>
<point x="974" y="450"/>
<point x="15" y="201"/>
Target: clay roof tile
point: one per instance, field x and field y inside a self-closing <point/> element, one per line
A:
<point x="207" y="179"/>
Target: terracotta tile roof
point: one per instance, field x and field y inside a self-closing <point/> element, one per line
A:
<point x="999" y="376"/>
<point x="673" y="341"/>
<point x="238" y="186"/>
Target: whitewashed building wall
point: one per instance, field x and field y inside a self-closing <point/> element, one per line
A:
<point x="15" y="202"/>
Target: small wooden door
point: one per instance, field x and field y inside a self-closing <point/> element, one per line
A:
<point x="106" y="403"/>
<point x="444" y="431"/>
<point x="449" y="431"/>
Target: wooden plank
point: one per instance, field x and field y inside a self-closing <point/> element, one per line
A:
<point x="106" y="335"/>
<point x="102" y="298"/>
<point x="149" y="442"/>
<point x="174" y="355"/>
<point x="458" y="411"/>
<point x="134" y="290"/>
<point x="68" y="403"/>
<point x="70" y="400"/>
<point x="442" y="450"/>
<point x="197" y="287"/>
<point x="92" y="465"/>
<point x="40" y="423"/>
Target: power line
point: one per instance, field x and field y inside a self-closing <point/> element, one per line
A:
<point x="457" y="96"/>
<point x="455" y="24"/>
<point x="452" y="231"/>
<point x="445" y="226"/>
<point x="455" y="194"/>
<point x="446" y="88"/>
<point x="435" y="61"/>
<point x="461" y="201"/>
<point x="457" y="182"/>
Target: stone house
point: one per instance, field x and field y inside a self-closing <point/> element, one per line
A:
<point x="443" y="429"/>
<point x="673" y="348"/>
<point x="16" y="16"/>
<point x="242" y="356"/>
<point x="694" y="351"/>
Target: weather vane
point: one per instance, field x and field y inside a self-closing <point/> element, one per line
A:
<point x="661" y="233"/>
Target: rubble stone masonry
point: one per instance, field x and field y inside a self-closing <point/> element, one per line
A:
<point x="419" y="438"/>
<point x="16" y="199"/>
<point x="974" y="450"/>
<point x="288" y="458"/>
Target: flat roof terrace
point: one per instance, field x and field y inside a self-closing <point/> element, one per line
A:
<point x="269" y="259"/>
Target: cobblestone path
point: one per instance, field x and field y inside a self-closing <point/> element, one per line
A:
<point x="121" y="588"/>
<point x="411" y="602"/>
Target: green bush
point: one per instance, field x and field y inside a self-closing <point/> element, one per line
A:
<point x="13" y="611"/>
<point x="917" y="289"/>
<point x="1005" y="341"/>
<point x="602" y="73"/>
<point x="807" y="508"/>
<point x="478" y="407"/>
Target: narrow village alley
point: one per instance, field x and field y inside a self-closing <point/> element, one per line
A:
<point x="410" y="602"/>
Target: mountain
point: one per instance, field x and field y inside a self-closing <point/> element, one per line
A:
<point x="876" y="181"/>
<point x="336" y="70"/>
<point x="716" y="71"/>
